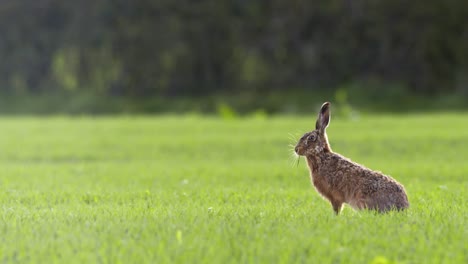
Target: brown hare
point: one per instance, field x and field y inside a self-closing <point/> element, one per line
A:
<point x="341" y="180"/>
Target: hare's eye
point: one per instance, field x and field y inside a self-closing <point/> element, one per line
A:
<point x="311" y="138"/>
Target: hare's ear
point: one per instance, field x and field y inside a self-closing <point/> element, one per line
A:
<point x="323" y="118"/>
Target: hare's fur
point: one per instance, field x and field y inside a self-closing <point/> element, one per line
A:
<point x="341" y="180"/>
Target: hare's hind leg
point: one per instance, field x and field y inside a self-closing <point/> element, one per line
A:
<point x="386" y="202"/>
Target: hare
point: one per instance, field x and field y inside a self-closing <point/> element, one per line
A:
<point x="341" y="180"/>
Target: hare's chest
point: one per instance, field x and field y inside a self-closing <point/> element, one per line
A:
<point x="321" y="185"/>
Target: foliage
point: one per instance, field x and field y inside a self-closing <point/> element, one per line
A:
<point x="202" y="189"/>
<point x="166" y="48"/>
<point x="348" y="102"/>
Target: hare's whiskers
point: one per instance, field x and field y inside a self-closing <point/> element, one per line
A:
<point x="294" y="158"/>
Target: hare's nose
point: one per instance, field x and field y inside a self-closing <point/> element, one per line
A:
<point x="296" y="149"/>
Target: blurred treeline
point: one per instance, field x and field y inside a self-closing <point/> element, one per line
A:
<point x="166" y="48"/>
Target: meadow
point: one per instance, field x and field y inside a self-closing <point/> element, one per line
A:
<point x="199" y="189"/>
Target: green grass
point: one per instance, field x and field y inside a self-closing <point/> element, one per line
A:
<point x="205" y="190"/>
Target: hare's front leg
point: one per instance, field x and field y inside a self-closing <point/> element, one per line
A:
<point x="337" y="205"/>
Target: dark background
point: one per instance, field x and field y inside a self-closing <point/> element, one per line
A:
<point x="158" y="56"/>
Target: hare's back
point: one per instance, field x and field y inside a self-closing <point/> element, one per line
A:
<point x="378" y="182"/>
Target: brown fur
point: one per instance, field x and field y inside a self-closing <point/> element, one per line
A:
<point x="341" y="180"/>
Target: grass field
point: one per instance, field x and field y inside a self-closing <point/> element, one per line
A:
<point x="205" y="190"/>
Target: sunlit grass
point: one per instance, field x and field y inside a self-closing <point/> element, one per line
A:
<point x="204" y="190"/>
